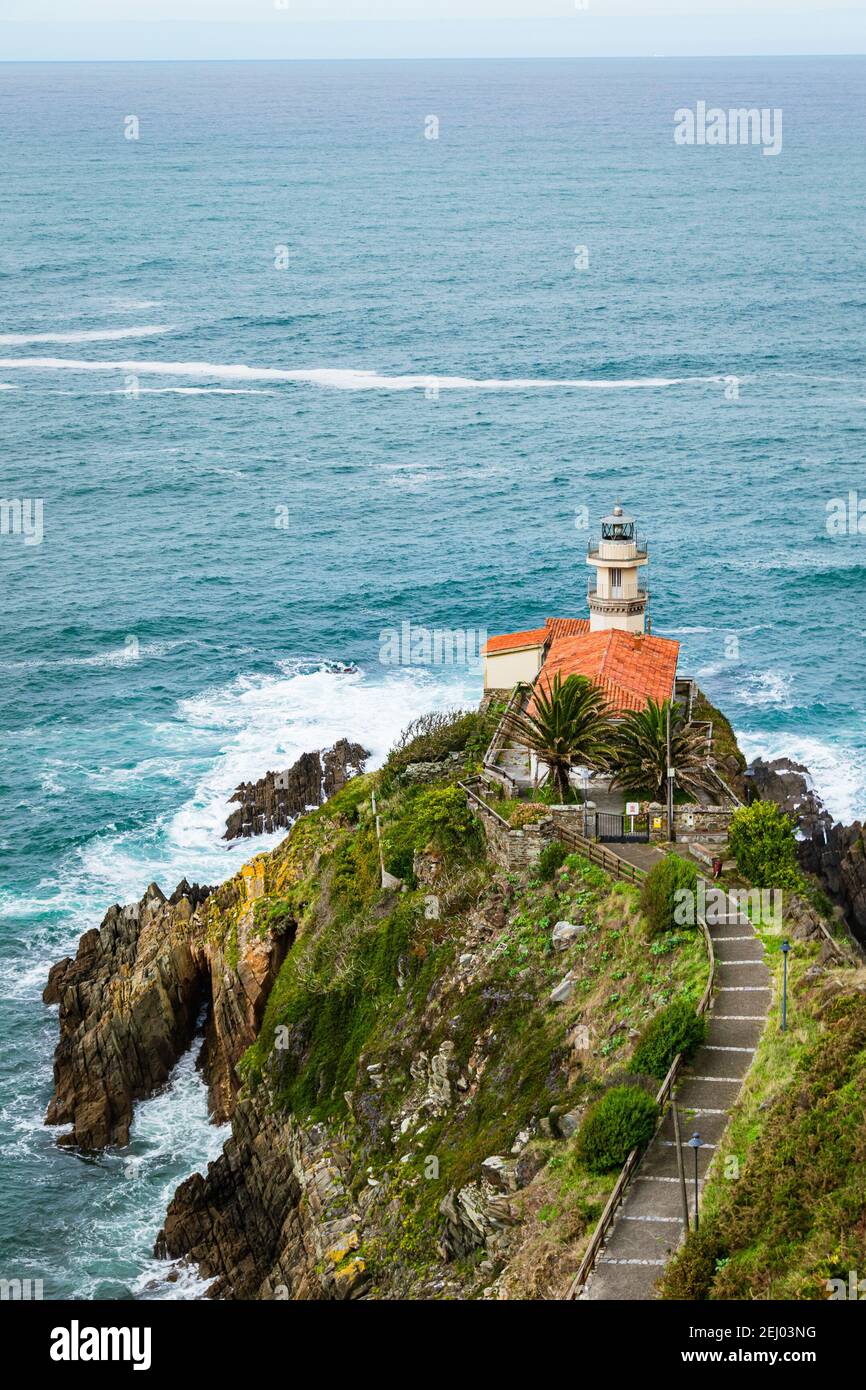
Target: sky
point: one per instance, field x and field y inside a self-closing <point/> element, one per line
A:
<point x="58" y="30"/>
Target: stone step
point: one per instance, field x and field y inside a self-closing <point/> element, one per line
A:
<point x="714" y="1095"/>
<point x="734" y="1032"/>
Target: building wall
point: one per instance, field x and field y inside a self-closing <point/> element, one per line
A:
<point x="503" y="670"/>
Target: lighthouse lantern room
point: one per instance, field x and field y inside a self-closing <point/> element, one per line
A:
<point x="617" y="593"/>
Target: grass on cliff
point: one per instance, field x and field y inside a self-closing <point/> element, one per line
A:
<point x="784" y="1208"/>
<point x="725" y="744"/>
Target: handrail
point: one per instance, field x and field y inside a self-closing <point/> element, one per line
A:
<point x="723" y="784"/>
<point x="663" y="1096"/>
<point x="499" y="732"/>
<point x="485" y="805"/>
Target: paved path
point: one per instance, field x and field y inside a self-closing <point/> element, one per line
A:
<point x="648" y="1227"/>
<point x="642" y="854"/>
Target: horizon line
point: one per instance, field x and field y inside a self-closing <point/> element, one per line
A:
<point x="461" y="58"/>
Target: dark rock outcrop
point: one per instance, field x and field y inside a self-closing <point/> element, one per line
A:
<point x="834" y="853"/>
<point x="131" y="999"/>
<point x="272" y="1218"/>
<point x="278" y="798"/>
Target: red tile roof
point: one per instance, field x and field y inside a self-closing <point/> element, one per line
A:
<point x="630" y="668"/>
<point x="512" y="641"/>
<point x="537" y="636"/>
<point x="567" y="627"/>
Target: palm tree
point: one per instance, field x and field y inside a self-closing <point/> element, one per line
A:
<point x="639" y="759"/>
<point x="568" y="724"/>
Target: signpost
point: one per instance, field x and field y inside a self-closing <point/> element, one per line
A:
<point x="632" y="809"/>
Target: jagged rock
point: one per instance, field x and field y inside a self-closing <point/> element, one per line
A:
<point x="569" y="1123"/>
<point x="427" y="867"/>
<point x="278" y="798"/>
<point x="500" y="1173"/>
<point x="273" y="1217"/>
<point x="130" y="1001"/>
<point x="473" y="1215"/>
<point x="563" y="991"/>
<point x="564" y="933"/>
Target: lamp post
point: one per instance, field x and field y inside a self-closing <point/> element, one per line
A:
<point x="694" y="1145"/>
<point x="671" y="775"/>
<point x="786" y="946"/>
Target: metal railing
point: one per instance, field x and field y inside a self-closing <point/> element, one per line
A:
<point x="663" y="1096"/>
<point x="641" y="548"/>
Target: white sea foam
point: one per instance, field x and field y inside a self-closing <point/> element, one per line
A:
<point x="126" y="655"/>
<point x="347" y="379"/>
<point x="767" y="689"/>
<point x="221" y="737"/>
<point x="838" y="772"/>
<point x="84" y="335"/>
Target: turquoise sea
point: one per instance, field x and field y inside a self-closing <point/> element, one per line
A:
<point x="248" y="472"/>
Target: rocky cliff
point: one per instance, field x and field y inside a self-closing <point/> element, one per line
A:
<point x="132" y="997"/>
<point x="278" y="798"/>
<point x="835" y="853"/>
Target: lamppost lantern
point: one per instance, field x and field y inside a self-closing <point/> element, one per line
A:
<point x="749" y="778"/>
<point x="695" y="1144"/>
<point x="786" y="946"/>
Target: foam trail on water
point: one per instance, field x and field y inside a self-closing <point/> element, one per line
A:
<point x="348" y="379"/>
<point x="84" y="335"/>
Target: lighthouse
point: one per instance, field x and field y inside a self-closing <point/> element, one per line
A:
<point x="617" y="593"/>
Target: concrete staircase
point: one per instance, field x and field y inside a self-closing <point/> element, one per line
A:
<point x="648" y="1227"/>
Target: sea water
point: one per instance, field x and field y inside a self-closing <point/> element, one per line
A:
<point x="286" y="372"/>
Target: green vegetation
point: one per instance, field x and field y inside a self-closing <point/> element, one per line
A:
<point x="435" y="819"/>
<point x="659" y="899"/>
<point x="783" y="1213"/>
<point x="623" y="1119"/>
<point x="724" y="740"/>
<point x="676" y="1028"/>
<point x="552" y="857"/>
<point x="432" y="737"/>
<point x="762" y="842"/>
<point x="639" y="756"/>
<point x="568" y="726"/>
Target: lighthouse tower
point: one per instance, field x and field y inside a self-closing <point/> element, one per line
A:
<point x="617" y="596"/>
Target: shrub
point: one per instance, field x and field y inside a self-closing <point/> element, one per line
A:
<point x="438" y="819"/>
<point x="762" y="842"/>
<point x="527" y="814"/>
<point x="658" y="899"/>
<point x="623" y="1119"/>
<point x="689" y="1276"/>
<point x="674" y="1029"/>
<point x="431" y="738"/>
<point x="551" y="858"/>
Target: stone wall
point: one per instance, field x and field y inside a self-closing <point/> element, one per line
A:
<point x="514" y="850"/>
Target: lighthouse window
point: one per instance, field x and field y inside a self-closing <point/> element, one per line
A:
<point x="616" y="583"/>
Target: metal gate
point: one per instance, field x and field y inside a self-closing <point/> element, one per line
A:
<point x="621" y="829"/>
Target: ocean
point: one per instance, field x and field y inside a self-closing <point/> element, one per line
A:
<point x="287" y="362"/>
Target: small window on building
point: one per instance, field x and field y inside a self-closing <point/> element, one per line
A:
<point x="616" y="583"/>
